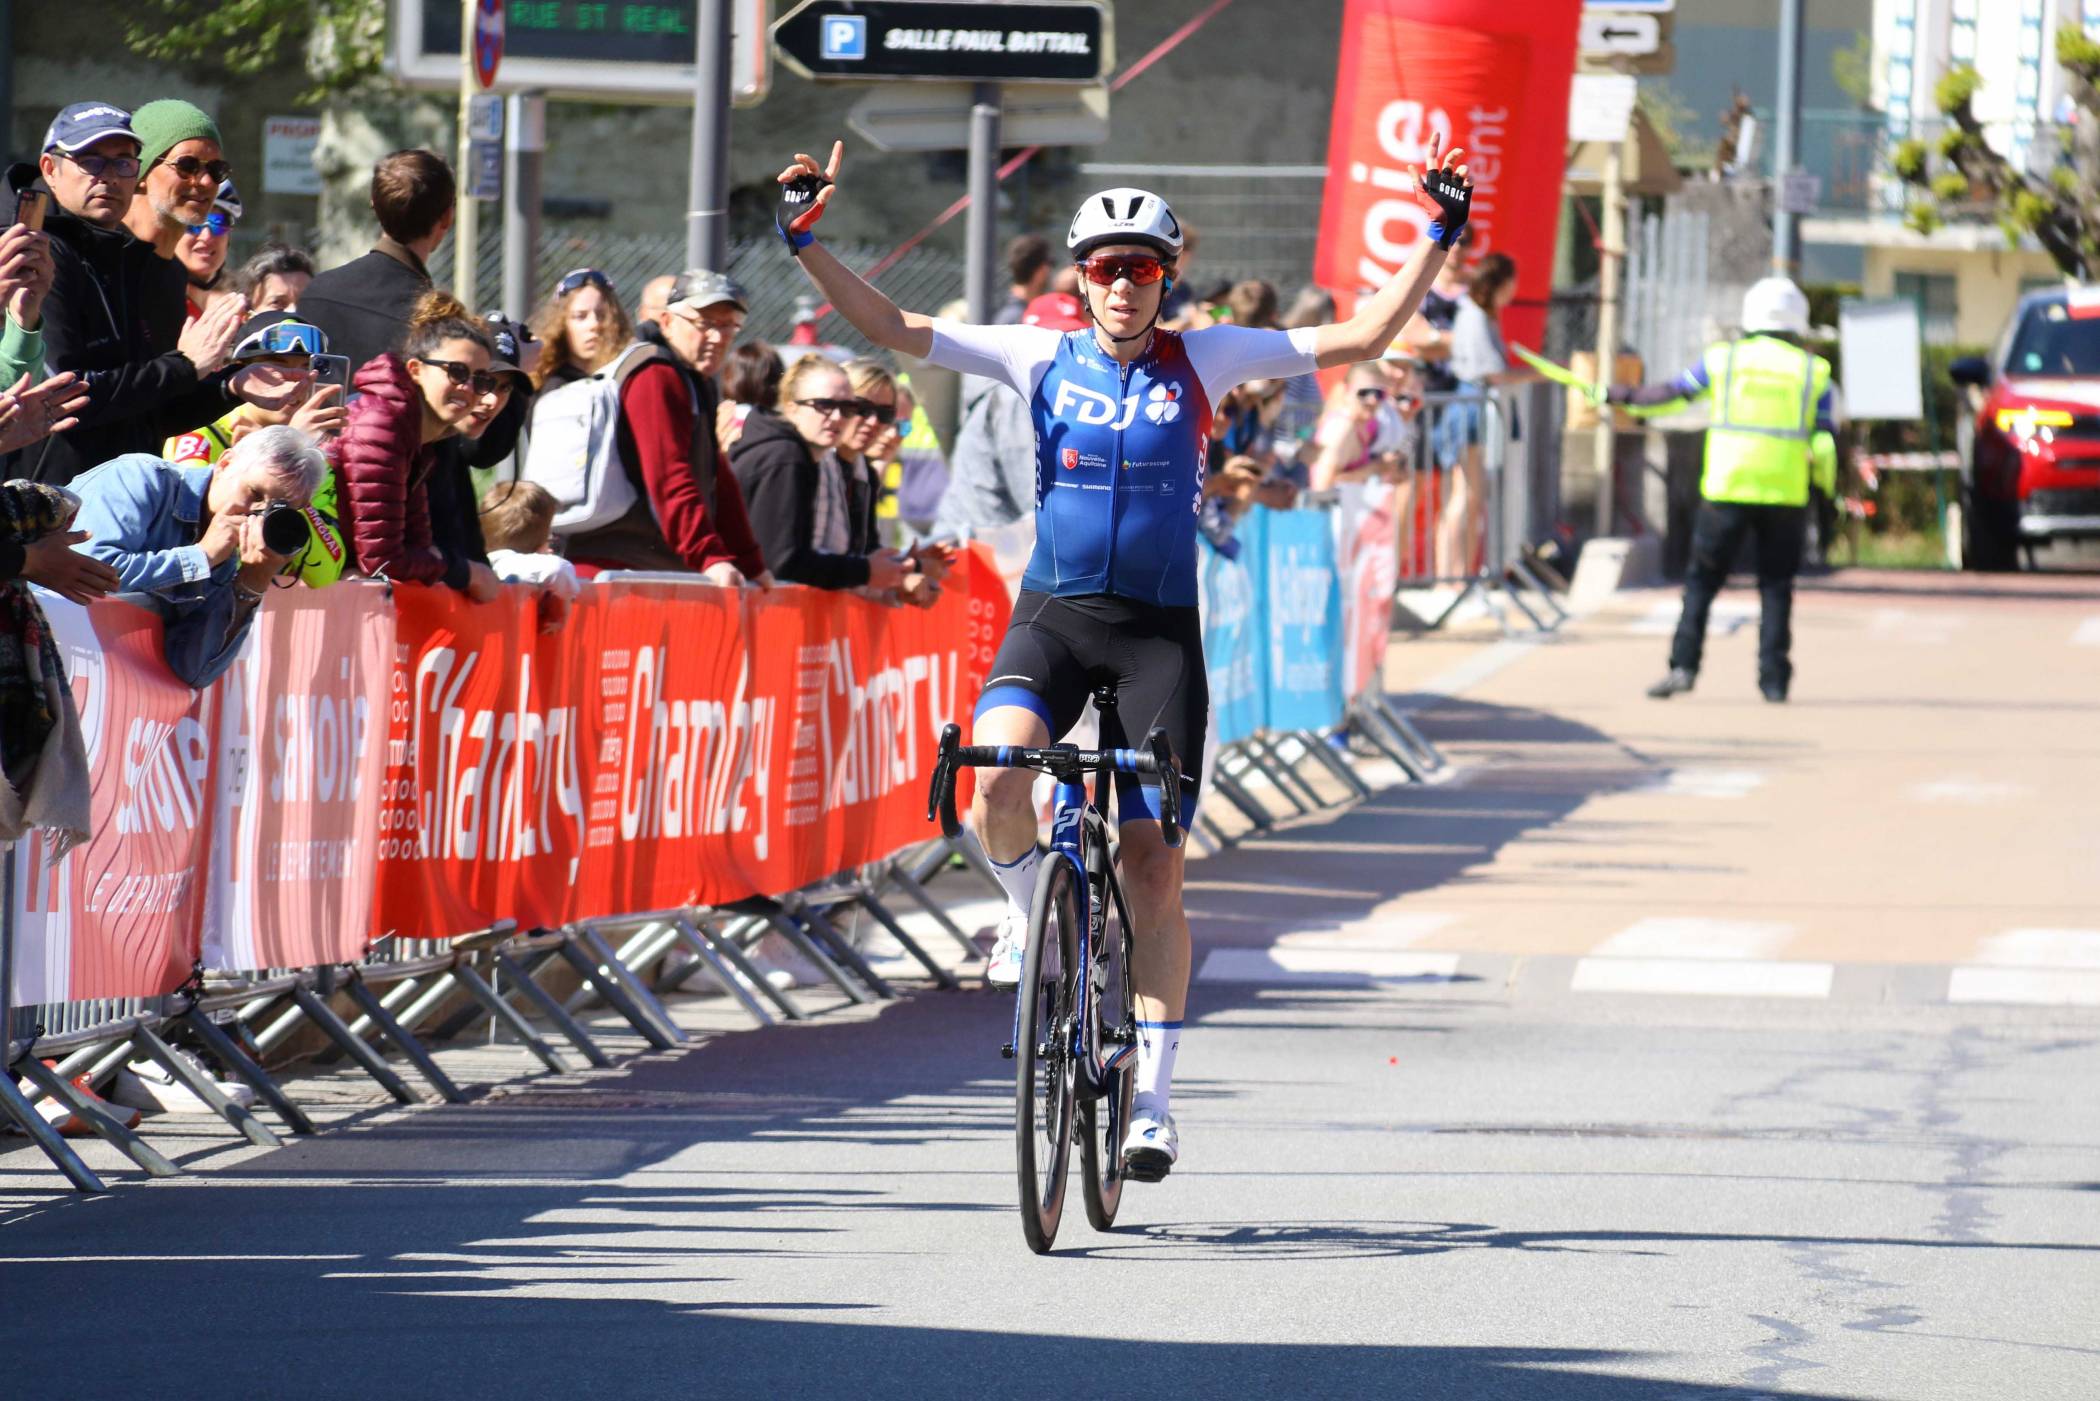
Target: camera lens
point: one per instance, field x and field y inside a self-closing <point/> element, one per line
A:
<point x="283" y="528"/>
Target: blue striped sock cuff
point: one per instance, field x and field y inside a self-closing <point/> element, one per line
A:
<point x="1162" y="1026"/>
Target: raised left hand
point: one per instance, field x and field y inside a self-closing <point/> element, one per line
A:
<point x="1444" y="189"/>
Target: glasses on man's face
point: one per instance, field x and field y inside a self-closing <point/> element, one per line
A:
<point x="1105" y="270"/>
<point x="868" y="408"/>
<point x="1371" y="395"/>
<point x="190" y="168"/>
<point x="583" y="277"/>
<point x="466" y="376"/>
<point x="115" y="167"/>
<point x="830" y="408"/>
<point x="215" y="223"/>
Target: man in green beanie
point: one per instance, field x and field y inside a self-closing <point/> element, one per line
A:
<point x="180" y="166"/>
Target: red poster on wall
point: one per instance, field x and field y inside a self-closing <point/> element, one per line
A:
<point x="1484" y="75"/>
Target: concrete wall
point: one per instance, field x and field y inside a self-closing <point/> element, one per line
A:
<point x="1987" y="283"/>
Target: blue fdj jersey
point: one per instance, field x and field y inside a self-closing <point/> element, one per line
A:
<point x="1120" y="449"/>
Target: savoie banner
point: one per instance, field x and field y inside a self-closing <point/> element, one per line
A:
<point x="397" y="761"/>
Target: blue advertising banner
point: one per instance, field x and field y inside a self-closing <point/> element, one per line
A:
<point x="1293" y="555"/>
<point x="1232" y="650"/>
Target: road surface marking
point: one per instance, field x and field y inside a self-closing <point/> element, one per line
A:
<point x="1703" y="977"/>
<point x="2088" y="634"/>
<point x="1375" y="931"/>
<point x="2041" y="948"/>
<point x="1705" y="783"/>
<point x="1966" y="790"/>
<point x="2052" y="987"/>
<point x="1903" y="625"/>
<point x="1332" y="967"/>
<point x="1727" y="616"/>
<point x="1696" y="938"/>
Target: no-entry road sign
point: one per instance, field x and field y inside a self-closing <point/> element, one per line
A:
<point x="946" y="40"/>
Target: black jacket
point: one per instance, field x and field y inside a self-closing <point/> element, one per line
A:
<point x="778" y="473"/>
<point x="364" y="305"/>
<point x="113" y="317"/>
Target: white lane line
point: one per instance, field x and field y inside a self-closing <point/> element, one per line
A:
<point x="2041" y="948"/>
<point x="1903" y="625"/>
<point x="2088" y="634"/>
<point x="1374" y="931"/>
<point x="1327" y="967"/>
<point x="1691" y="937"/>
<point x="1661" y="620"/>
<point x="2050" y="987"/>
<point x="1966" y="790"/>
<point x="1705" y="783"/>
<point x="1701" y="977"/>
<point x="159" y="1259"/>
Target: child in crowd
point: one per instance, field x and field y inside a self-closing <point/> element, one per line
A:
<point x="517" y="521"/>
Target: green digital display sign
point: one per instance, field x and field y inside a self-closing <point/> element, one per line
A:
<point x="606" y="31"/>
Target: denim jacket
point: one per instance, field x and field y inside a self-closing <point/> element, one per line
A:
<point x="144" y="517"/>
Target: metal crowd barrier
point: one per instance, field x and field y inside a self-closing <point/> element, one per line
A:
<point x="239" y="1019"/>
<point x="1498" y="572"/>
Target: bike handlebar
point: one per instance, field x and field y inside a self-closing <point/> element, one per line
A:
<point x="1155" y="760"/>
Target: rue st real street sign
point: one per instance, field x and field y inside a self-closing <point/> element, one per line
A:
<point x="947" y="40"/>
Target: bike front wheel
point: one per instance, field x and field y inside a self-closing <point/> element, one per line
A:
<point x="1043" y="1068"/>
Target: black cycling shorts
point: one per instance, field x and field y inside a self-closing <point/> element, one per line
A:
<point x="1057" y="650"/>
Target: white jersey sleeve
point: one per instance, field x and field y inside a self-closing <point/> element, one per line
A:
<point x="1018" y="356"/>
<point x="1225" y="356"/>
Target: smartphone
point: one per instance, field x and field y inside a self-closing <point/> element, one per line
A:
<point x="331" y="369"/>
<point x="29" y="209"/>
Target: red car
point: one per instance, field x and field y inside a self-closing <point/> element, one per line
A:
<point x="2032" y="473"/>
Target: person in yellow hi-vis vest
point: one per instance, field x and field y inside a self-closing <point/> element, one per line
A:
<point x="1771" y="435"/>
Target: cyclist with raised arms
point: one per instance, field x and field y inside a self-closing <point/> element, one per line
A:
<point x="1122" y="416"/>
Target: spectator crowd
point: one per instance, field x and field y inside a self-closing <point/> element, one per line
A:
<point x="196" y="430"/>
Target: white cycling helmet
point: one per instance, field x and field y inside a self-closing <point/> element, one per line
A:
<point x="1775" y="304"/>
<point x="1124" y="215"/>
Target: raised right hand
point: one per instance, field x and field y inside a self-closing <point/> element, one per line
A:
<point x="207" y="342"/>
<point x="804" y="191"/>
<point x="323" y="414"/>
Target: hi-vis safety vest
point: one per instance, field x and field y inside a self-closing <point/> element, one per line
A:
<point x="1762" y="437"/>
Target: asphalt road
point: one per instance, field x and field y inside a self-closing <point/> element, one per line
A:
<point x="1509" y="1087"/>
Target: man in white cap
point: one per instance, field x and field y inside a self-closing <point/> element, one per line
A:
<point x="1771" y="435"/>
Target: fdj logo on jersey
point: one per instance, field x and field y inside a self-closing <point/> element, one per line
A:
<point x="1094" y="409"/>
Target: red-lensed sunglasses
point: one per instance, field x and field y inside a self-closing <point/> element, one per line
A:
<point x="1106" y="271"/>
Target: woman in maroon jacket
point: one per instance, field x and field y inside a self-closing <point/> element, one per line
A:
<point x="401" y="409"/>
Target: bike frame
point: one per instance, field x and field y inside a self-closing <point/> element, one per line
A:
<point x="1079" y="837"/>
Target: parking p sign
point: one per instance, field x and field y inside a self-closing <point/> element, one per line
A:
<point x="845" y="37"/>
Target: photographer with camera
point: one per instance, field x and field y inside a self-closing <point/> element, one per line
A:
<point x="202" y="543"/>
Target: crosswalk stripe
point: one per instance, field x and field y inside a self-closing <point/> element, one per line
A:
<point x="1705" y="783"/>
<point x="2041" y="948"/>
<point x="1704" y="977"/>
<point x="1695" y="937"/>
<point x="2088" y="634"/>
<point x="2050" y="987"/>
<point x="1330" y="967"/>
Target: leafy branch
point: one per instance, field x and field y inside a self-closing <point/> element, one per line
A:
<point x="339" y="43"/>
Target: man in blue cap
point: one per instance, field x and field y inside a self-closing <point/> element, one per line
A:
<point x="114" y="314"/>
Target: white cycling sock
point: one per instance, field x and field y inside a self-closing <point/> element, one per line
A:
<point x="1018" y="879"/>
<point x="1157" y="1043"/>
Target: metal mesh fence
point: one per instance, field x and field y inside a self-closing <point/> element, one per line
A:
<point x="924" y="280"/>
<point x="1251" y="220"/>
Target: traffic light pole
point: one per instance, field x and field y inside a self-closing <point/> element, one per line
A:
<point x="982" y="238"/>
<point x="707" y="203"/>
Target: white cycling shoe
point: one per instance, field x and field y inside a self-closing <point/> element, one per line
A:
<point x="1004" y="969"/>
<point x="1151" y="1147"/>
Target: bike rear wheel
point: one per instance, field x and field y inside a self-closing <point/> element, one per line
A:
<point x="1103" y="1122"/>
<point x="1043" y="1070"/>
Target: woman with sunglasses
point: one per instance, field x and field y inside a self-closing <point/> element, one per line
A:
<point x="582" y="328"/>
<point x="1122" y="416"/>
<point x="202" y="251"/>
<point x="802" y="508"/>
<point x="406" y="406"/>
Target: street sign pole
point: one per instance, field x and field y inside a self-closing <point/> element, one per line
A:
<point x="707" y="201"/>
<point x="466" y="223"/>
<point x="1786" y="229"/>
<point x="1610" y="262"/>
<point x="524" y="144"/>
<point x="982" y="238"/>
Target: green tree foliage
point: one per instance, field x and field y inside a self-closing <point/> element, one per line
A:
<point x="338" y="42"/>
<point x="2058" y="208"/>
<point x="1852" y="69"/>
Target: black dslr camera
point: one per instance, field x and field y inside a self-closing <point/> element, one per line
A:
<point x="283" y="528"/>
